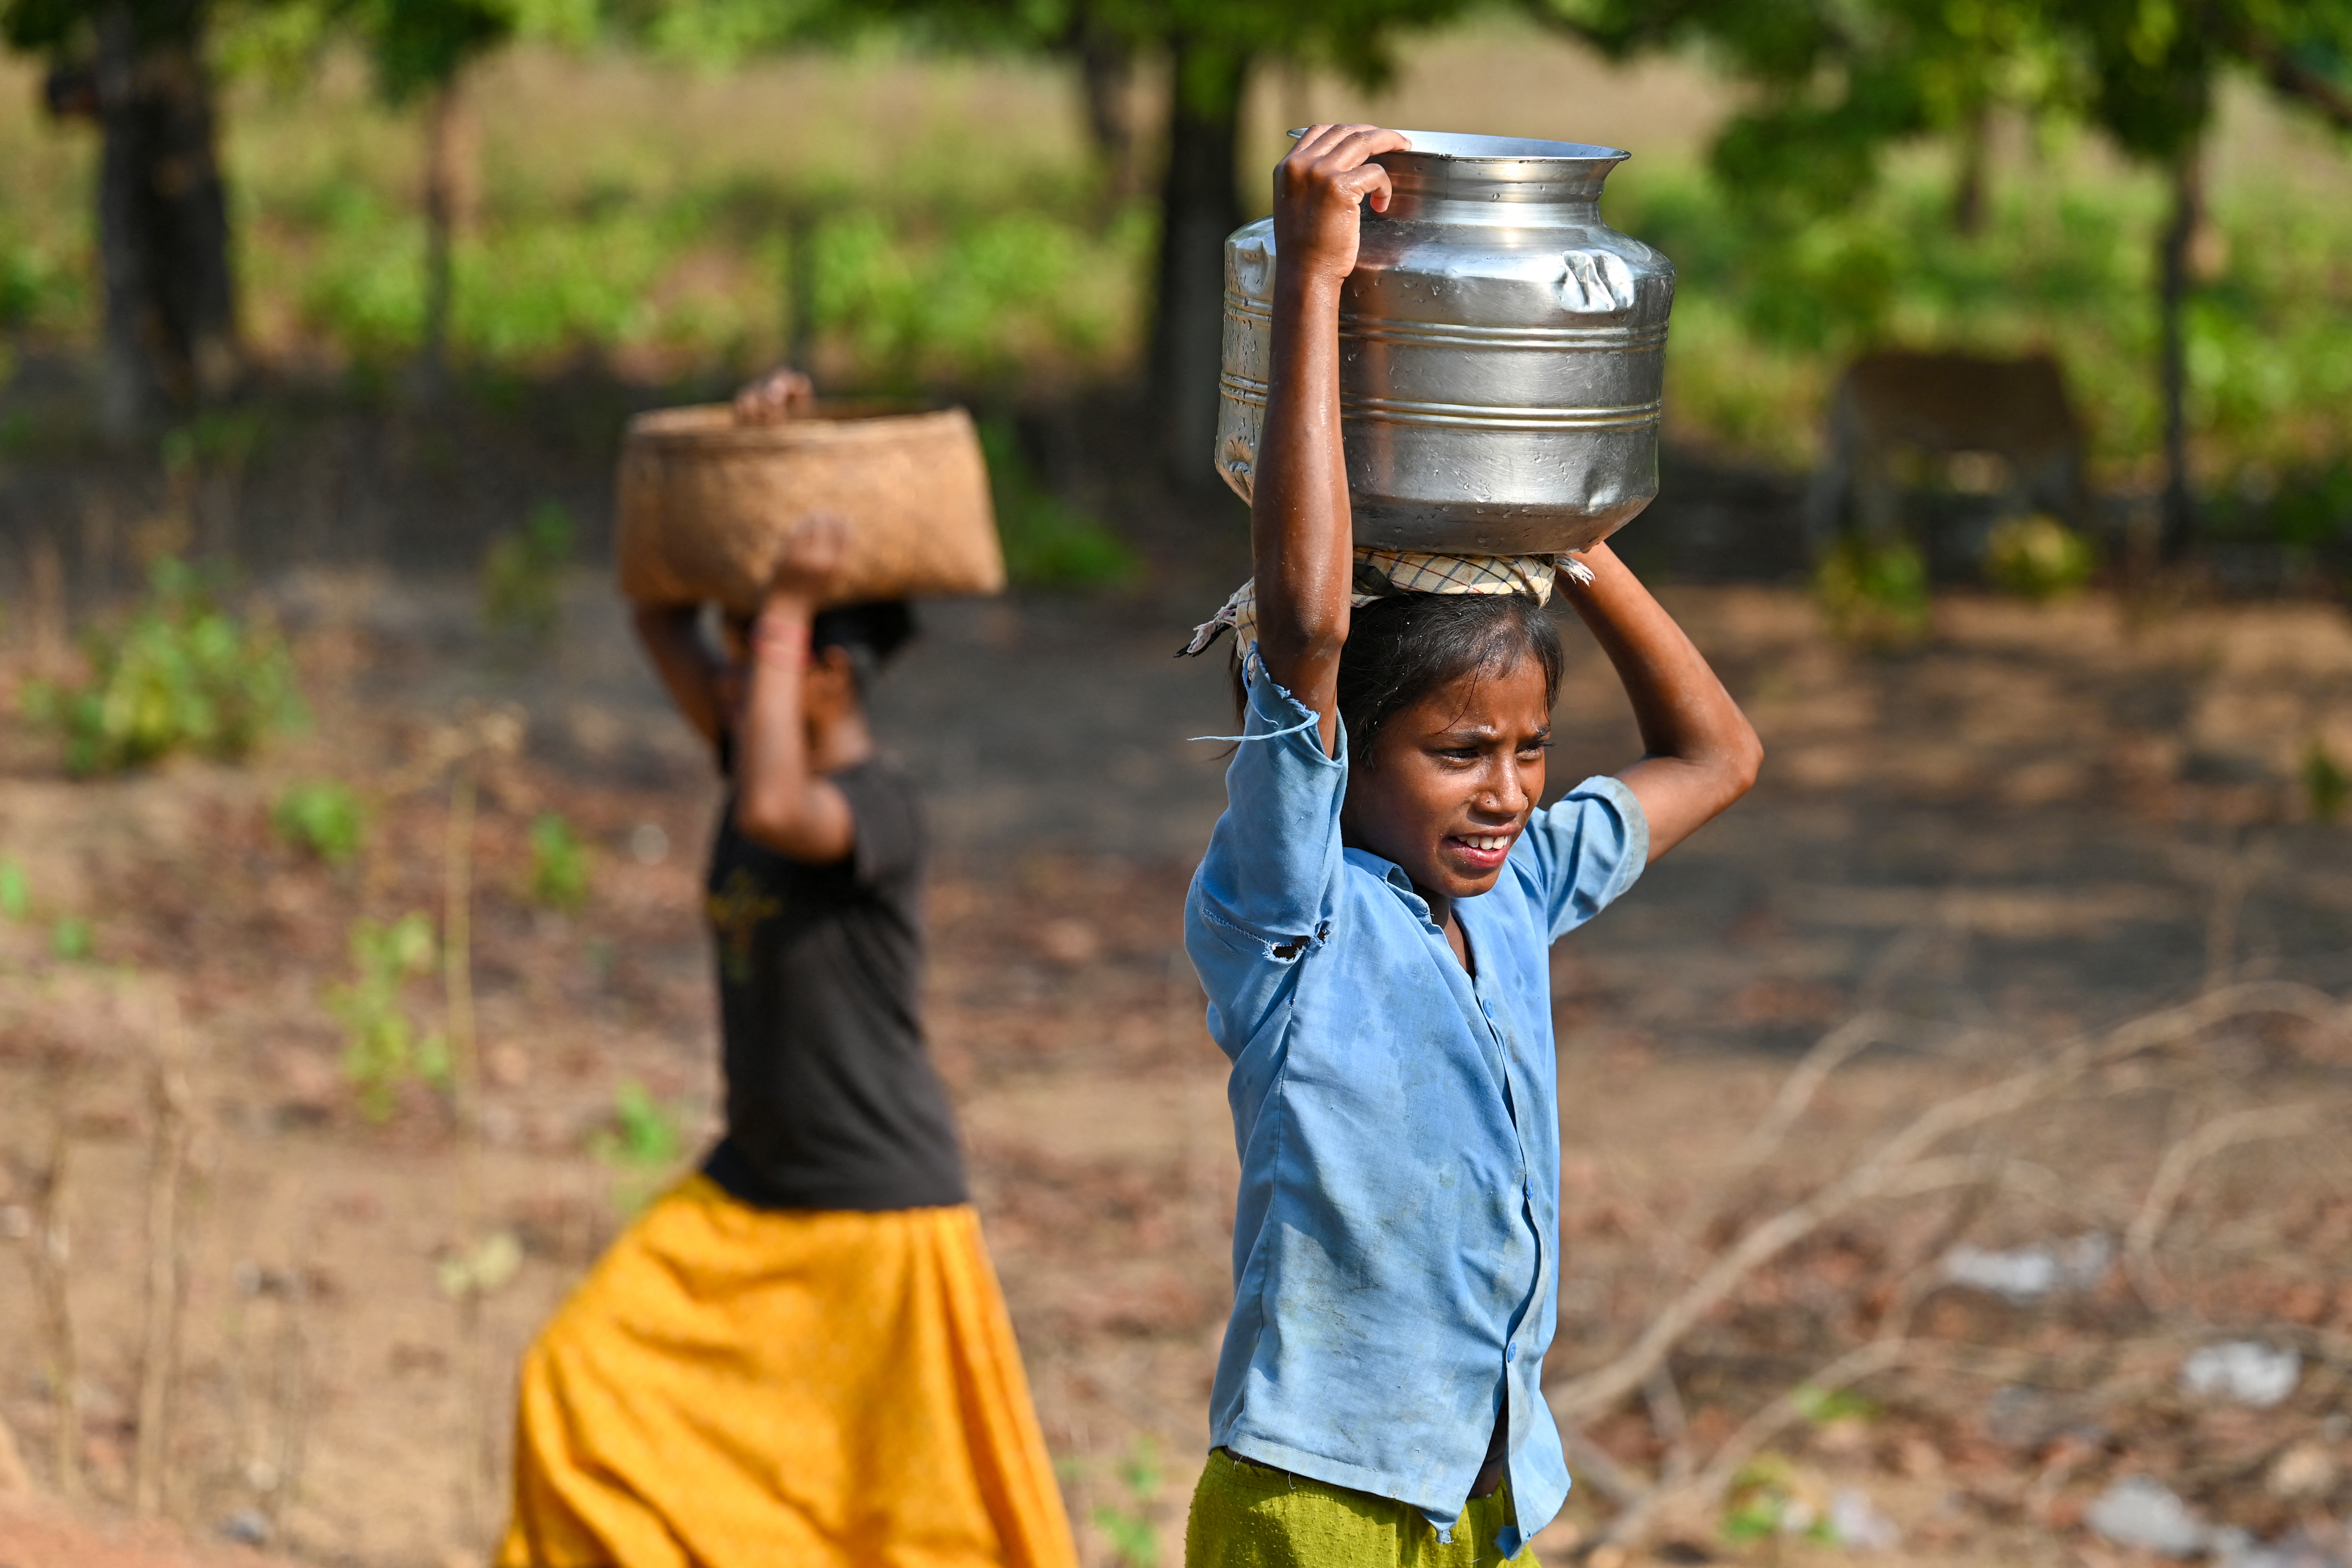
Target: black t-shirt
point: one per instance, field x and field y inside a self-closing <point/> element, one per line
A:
<point x="831" y="1100"/>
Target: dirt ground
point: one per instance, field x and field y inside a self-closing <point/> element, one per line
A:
<point x="2040" y="821"/>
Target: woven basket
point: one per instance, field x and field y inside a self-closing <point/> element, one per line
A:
<point x="706" y="503"/>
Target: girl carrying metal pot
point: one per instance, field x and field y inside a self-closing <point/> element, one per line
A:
<point x="1373" y="922"/>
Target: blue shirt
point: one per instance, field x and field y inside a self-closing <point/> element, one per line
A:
<point x="1396" y="1241"/>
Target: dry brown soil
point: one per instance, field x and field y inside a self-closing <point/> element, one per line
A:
<point x="2039" y="820"/>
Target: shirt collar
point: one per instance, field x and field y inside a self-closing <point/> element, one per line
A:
<point x="1392" y="873"/>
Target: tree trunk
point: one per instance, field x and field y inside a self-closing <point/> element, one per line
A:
<point x="1199" y="207"/>
<point x="800" y="289"/>
<point x="449" y="169"/>
<point x="1106" y="71"/>
<point x="2179" y="509"/>
<point x="171" y="300"/>
<point x="1968" y="191"/>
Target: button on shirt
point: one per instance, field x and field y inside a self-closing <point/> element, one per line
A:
<point x="1396" y="1238"/>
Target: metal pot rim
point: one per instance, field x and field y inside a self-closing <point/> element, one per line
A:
<point x="1462" y="146"/>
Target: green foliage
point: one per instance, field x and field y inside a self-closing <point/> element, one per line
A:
<point x="522" y="574"/>
<point x="1822" y="1406"/>
<point x="1835" y="85"/>
<point x="983" y="291"/>
<point x="384" y="1051"/>
<point x="15" y="890"/>
<point x="1127" y="1524"/>
<point x="1768" y="1499"/>
<point x="419" y="45"/>
<point x="559" y="864"/>
<point x="933" y="269"/>
<point x="920" y="281"/>
<point x="215" y="438"/>
<point x="2308" y="507"/>
<point x="35" y="289"/>
<point x="182" y="674"/>
<point x="1048" y="542"/>
<point x="1353" y="37"/>
<point x="1762" y="321"/>
<point x="1873" y="591"/>
<point x="641" y="1145"/>
<point x="2325" y="785"/>
<point x="71" y="939"/>
<point x="644" y="1132"/>
<point x="324" y="816"/>
<point x="2038" y="557"/>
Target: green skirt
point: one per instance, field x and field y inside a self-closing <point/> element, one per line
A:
<point x="1248" y="1516"/>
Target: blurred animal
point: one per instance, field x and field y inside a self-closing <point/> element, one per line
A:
<point x="2003" y="426"/>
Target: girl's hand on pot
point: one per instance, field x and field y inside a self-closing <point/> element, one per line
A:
<point x="1317" y="189"/>
<point x="774" y="397"/>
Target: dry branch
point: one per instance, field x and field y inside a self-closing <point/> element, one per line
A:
<point x="1828" y="1053"/>
<point x="2182" y="1158"/>
<point x="55" y="1252"/>
<point x="458" y="969"/>
<point x="1906" y="1162"/>
<point x="1743" y="1444"/>
<point x="159" y="1359"/>
<point x="15" y="1481"/>
<point x="1897" y="1166"/>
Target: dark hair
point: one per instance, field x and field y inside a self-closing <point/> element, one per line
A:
<point x="880" y="628"/>
<point x="871" y="634"/>
<point x="1402" y="648"/>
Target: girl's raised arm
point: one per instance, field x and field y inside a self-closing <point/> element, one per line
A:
<point x="781" y="800"/>
<point x="1301" y="541"/>
<point x="672" y="637"/>
<point x="1699" y="752"/>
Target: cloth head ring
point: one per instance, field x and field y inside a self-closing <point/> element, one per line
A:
<point x="1385" y="573"/>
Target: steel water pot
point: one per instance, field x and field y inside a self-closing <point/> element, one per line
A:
<point x="1502" y="351"/>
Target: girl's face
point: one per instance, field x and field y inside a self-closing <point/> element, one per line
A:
<point x="1453" y="780"/>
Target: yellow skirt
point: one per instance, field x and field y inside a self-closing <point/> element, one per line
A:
<point x="733" y="1387"/>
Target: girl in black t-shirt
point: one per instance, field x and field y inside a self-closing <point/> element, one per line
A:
<point x="800" y="1356"/>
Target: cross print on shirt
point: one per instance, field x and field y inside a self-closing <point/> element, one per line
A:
<point x="735" y="912"/>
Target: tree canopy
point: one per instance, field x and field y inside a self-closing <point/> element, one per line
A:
<point x="1840" y="81"/>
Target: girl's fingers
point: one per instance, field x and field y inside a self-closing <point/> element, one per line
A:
<point x="1310" y="140"/>
<point x="1371" y="182"/>
<point x="1344" y="146"/>
<point x="1361" y="141"/>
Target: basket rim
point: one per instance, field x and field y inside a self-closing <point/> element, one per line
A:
<point x="848" y="421"/>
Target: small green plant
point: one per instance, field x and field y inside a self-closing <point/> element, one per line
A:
<point x="1127" y="1524"/>
<point x="70" y="938"/>
<point x="1822" y="1406"/>
<point x="522" y="576"/>
<point x="2038" y="557"/>
<point x="1768" y="1498"/>
<point x="215" y="438"/>
<point x="323" y="817"/>
<point x="1048" y="542"/>
<point x="182" y="674"/>
<point x="384" y="1049"/>
<point x="2326" y="785"/>
<point x="15" y="890"/>
<point x="481" y="1269"/>
<point x="1873" y="591"/>
<point x="559" y="864"/>
<point x="641" y="1144"/>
